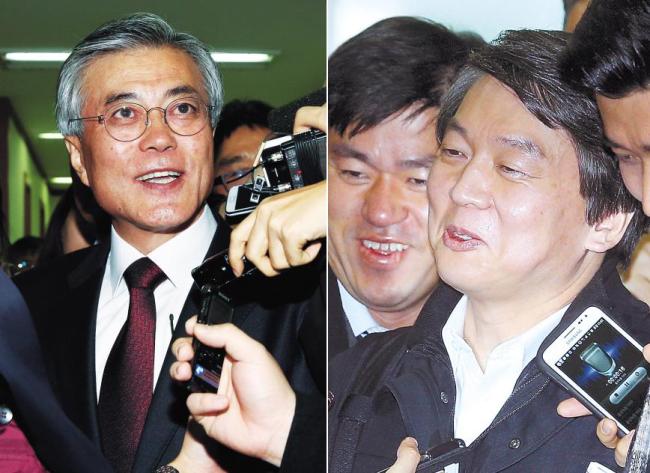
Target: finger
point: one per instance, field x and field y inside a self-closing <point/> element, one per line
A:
<point x="408" y="457"/>
<point x="572" y="408"/>
<point x="606" y="432"/>
<point x="238" y="240"/>
<point x="202" y="404"/>
<point x="309" y="117"/>
<point x="277" y="249"/>
<point x="622" y="449"/>
<point x="189" y="325"/>
<point x="180" y="371"/>
<point x="646" y="352"/>
<point x="258" y="245"/>
<point x="237" y="344"/>
<point x="299" y="257"/>
<point x="182" y="349"/>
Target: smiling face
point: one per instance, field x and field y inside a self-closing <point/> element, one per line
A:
<point x="627" y="131"/>
<point x="378" y="212"/>
<point x="506" y="217"/>
<point x="147" y="209"/>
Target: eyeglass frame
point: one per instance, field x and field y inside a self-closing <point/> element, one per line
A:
<point x="102" y="118"/>
<point x="220" y="181"/>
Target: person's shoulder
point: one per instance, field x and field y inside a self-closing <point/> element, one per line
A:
<point x="52" y="275"/>
<point x="370" y="356"/>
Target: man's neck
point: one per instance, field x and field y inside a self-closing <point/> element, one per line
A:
<point x="145" y="241"/>
<point x="396" y="319"/>
<point x="490" y="321"/>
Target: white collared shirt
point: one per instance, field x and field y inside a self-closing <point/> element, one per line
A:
<point x="176" y="257"/>
<point x="359" y="317"/>
<point x="481" y="395"/>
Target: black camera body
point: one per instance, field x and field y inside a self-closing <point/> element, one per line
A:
<point x="288" y="162"/>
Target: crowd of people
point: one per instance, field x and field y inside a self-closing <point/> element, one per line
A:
<point x="480" y="197"/>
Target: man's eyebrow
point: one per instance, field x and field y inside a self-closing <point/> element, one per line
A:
<point x="416" y="163"/>
<point x="613" y="144"/>
<point x="230" y="160"/>
<point x="118" y="97"/>
<point x="454" y="125"/>
<point x="181" y="90"/>
<point x="173" y="92"/>
<point x="348" y="152"/>
<point x="525" y="145"/>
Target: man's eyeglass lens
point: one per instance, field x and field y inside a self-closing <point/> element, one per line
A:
<point x="128" y="121"/>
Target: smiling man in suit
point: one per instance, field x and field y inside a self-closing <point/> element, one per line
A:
<point x="137" y="103"/>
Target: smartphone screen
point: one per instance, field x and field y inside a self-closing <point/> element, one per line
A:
<point x="605" y="365"/>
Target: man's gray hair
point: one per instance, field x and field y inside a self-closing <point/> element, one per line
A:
<point x="139" y="30"/>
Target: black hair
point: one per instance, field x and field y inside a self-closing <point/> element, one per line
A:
<point x="237" y="113"/>
<point x="526" y="61"/>
<point x="393" y="64"/>
<point x="609" y="53"/>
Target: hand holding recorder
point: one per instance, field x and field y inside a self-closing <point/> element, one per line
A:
<point x="604" y="367"/>
<point x="254" y="406"/>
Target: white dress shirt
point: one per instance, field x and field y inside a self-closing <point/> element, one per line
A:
<point x="176" y="257"/>
<point x="359" y="317"/>
<point x="481" y="395"/>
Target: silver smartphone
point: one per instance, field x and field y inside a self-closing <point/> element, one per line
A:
<point x="602" y="365"/>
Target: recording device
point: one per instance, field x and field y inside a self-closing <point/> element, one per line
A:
<point x="601" y="365"/>
<point x="287" y="162"/>
<point x="435" y="455"/>
<point x="216" y="282"/>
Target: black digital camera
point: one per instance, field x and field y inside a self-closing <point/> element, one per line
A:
<point x="287" y="162"/>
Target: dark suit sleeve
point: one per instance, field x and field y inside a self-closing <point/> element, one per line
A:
<point x="305" y="450"/>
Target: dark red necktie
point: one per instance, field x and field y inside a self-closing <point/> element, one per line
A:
<point x="127" y="384"/>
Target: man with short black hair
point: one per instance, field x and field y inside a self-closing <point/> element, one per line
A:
<point x="528" y="220"/>
<point x="385" y="87"/>
<point x="242" y="127"/>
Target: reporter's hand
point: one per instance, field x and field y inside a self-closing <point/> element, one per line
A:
<point x="606" y="430"/>
<point x="408" y="457"/>
<point x="254" y="406"/>
<point x="310" y="117"/>
<point x="281" y="232"/>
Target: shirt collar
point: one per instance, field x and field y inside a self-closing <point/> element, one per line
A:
<point x="176" y="257"/>
<point x="358" y="314"/>
<point x="522" y="347"/>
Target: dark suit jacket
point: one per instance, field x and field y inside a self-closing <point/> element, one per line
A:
<point x="339" y="333"/>
<point x="59" y="444"/>
<point x="63" y="297"/>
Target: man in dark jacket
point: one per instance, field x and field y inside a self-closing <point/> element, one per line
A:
<point x="528" y="219"/>
<point x="380" y="148"/>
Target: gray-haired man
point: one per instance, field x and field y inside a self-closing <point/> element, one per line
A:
<point x="137" y="103"/>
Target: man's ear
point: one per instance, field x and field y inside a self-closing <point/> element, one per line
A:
<point x="606" y="234"/>
<point x="73" y="145"/>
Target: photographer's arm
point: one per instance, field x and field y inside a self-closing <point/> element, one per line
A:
<point x="283" y="230"/>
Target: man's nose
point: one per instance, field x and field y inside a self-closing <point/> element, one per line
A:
<point x="158" y="135"/>
<point x="472" y="187"/>
<point x="384" y="202"/>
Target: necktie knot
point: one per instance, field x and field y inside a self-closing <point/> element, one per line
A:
<point x="144" y="274"/>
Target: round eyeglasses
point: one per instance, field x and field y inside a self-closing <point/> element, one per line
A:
<point x="126" y="121"/>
